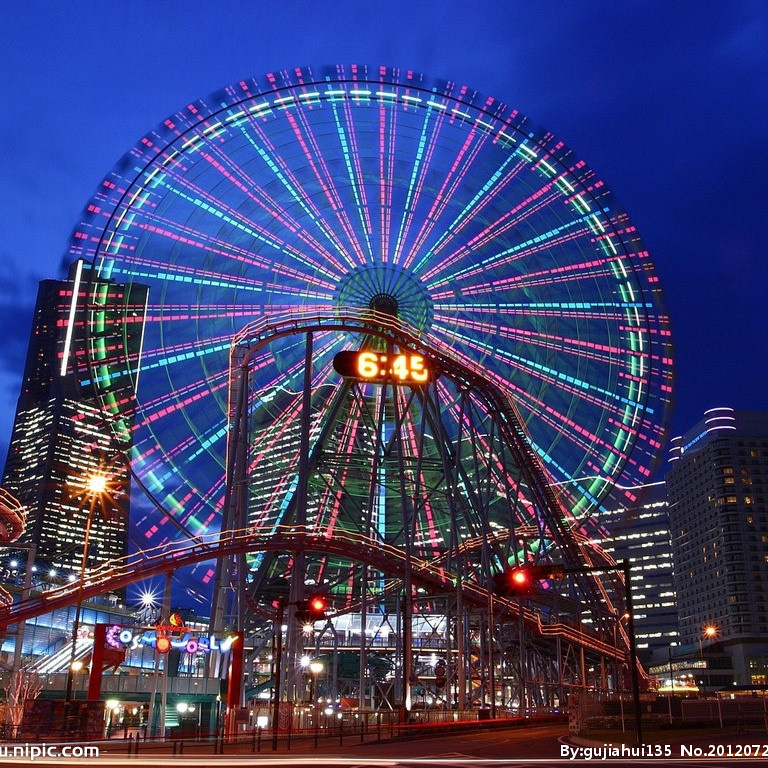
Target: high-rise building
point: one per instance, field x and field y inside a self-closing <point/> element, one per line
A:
<point x="718" y="509"/>
<point x="65" y="433"/>
<point x="639" y="533"/>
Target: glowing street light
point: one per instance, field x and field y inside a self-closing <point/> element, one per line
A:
<point x="315" y="668"/>
<point x="96" y="486"/>
<point x="709" y="631"/>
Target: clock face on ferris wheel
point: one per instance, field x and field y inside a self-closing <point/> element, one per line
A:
<point x="355" y="187"/>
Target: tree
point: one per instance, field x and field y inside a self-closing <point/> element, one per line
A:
<point x="23" y="685"/>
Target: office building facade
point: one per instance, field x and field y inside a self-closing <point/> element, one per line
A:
<point x="65" y="432"/>
<point x="639" y="533"/>
<point x="717" y="490"/>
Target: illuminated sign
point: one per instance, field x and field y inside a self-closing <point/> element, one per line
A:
<point x="369" y="365"/>
<point x="161" y="639"/>
<point x="677" y="666"/>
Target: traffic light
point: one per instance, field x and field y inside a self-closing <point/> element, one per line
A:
<point x="316" y="607"/>
<point x="312" y="609"/>
<point x="440" y="674"/>
<point x="516" y="581"/>
<point x="522" y="579"/>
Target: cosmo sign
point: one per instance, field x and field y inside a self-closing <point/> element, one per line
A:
<point x="163" y="639"/>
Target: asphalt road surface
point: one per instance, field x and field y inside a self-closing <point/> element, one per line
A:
<point x="519" y="747"/>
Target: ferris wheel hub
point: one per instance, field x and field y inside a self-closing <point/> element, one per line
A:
<point x="387" y="288"/>
<point x="384" y="303"/>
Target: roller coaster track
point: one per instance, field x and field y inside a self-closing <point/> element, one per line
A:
<point x="435" y="575"/>
<point x="462" y="370"/>
<point x="390" y="560"/>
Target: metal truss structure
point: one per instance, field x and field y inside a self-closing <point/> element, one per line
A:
<point x="430" y="490"/>
<point x="320" y="210"/>
<point x="400" y="503"/>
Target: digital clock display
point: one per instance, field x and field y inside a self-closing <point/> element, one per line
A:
<point x="369" y="365"/>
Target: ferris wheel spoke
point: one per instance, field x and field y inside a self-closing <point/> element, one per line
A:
<point x="414" y="186"/>
<point x="329" y="191"/>
<point x="352" y="148"/>
<point x="241" y="226"/>
<point x="506" y="225"/>
<point x="448" y="195"/>
<point x="325" y="261"/>
<point x="357" y="233"/>
<point x="303" y="198"/>
<point x="354" y="190"/>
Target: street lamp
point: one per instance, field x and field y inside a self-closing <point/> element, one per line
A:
<point x="710" y="632"/>
<point x="95" y="486"/>
<point x="315" y="668"/>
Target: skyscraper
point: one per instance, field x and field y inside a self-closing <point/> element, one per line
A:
<point x="65" y="432"/>
<point x="718" y="510"/>
<point x="639" y="532"/>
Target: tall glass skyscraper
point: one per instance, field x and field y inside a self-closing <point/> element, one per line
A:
<point x="718" y="510"/>
<point x="64" y="433"/>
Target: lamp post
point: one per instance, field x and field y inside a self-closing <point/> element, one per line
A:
<point x="278" y="662"/>
<point x="96" y="485"/>
<point x="618" y="674"/>
<point x="671" y="683"/>
<point x="315" y="668"/>
<point x="710" y="632"/>
<point x="625" y="567"/>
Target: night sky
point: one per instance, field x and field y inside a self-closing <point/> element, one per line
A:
<point x="668" y="102"/>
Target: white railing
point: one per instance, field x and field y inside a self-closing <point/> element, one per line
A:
<point x="134" y="684"/>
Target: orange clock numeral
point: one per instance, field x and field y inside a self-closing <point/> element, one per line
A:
<point x="367" y="365"/>
<point x="418" y="372"/>
<point x="400" y="367"/>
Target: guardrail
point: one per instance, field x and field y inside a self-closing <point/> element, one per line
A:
<point x="389" y="558"/>
<point x="132" y="684"/>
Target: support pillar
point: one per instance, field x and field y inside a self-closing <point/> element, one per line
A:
<point x="234" y="684"/>
<point x="97" y="662"/>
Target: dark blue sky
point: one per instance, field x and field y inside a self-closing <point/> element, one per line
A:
<point x="668" y="102"/>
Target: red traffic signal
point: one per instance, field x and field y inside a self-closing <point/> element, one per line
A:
<point x="440" y="674"/>
<point x="516" y="581"/>
<point x="522" y="579"/>
<point x="312" y="609"/>
<point x="316" y="607"/>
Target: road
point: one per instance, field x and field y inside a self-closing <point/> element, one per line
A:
<point x="517" y="748"/>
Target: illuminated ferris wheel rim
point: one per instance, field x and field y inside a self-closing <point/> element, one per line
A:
<point x="489" y="119"/>
<point x="208" y="121"/>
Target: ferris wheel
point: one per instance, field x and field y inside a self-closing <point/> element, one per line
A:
<point x="375" y="188"/>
